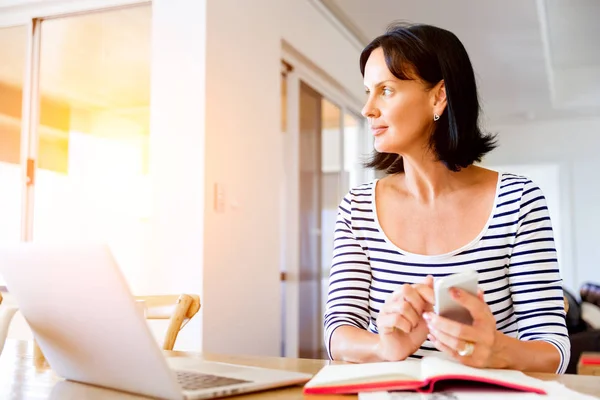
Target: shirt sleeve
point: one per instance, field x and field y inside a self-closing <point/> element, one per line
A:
<point x="349" y="278"/>
<point x="534" y="279"/>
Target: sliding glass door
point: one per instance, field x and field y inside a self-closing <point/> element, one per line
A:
<point x="92" y="137"/>
<point x="74" y="131"/>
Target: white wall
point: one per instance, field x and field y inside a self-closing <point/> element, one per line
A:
<point x="572" y="144"/>
<point x="177" y="146"/>
<point x="236" y="258"/>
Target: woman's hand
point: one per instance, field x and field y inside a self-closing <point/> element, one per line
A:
<point x="471" y="345"/>
<point x="402" y="329"/>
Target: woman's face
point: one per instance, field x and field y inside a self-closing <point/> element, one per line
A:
<point x="400" y="112"/>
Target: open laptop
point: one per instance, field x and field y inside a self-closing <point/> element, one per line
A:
<point x="90" y="330"/>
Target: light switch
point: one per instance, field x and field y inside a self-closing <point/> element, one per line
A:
<point x="219" y="198"/>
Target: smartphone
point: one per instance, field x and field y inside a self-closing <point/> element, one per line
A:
<point x="445" y="305"/>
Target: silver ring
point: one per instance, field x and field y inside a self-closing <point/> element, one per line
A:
<point x="467" y="350"/>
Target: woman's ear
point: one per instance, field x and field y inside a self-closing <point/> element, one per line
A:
<point x="439" y="98"/>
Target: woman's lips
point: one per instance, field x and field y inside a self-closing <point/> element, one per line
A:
<point x="378" y="130"/>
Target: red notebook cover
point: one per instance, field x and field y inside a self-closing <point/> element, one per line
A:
<point x="411" y="375"/>
<point x="427" y="386"/>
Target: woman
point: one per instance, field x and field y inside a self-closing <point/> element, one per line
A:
<point x="435" y="214"/>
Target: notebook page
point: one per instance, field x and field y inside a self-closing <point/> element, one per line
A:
<point x="555" y="390"/>
<point x="454" y="395"/>
<point x="435" y="366"/>
<point x="408" y="370"/>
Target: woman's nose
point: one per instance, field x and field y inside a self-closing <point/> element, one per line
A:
<point x="369" y="111"/>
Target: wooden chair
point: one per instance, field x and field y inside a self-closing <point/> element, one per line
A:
<point x="178" y="309"/>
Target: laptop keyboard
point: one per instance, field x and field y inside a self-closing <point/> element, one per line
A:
<point x="196" y="380"/>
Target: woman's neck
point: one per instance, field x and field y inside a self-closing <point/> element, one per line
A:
<point x="426" y="179"/>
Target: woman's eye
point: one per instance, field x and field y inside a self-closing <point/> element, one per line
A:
<point x="386" y="91"/>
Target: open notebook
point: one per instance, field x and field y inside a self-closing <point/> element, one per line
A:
<point x="419" y="375"/>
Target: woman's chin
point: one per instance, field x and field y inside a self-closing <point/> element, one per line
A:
<point x="381" y="146"/>
<point x="384" y="145"/>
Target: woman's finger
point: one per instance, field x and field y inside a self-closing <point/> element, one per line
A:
<point x="451" y="328"/>
<point x="399" y="293"/>
<point x="480" y="295"/>
<point x="429" y="281"/>
<point x="386" y="323"/>
<point x="426" y="293"/>
<point x="449" y="341"/>
<point x="405" y="309"/>
<point x="442" y="347"/>
<point x="412" y="296"/>
<point x="476" y="306"/>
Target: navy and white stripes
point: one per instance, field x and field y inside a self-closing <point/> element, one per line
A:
<point x="514" y="255"/>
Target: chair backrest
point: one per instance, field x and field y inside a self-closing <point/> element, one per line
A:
<point x="178" y="309"/>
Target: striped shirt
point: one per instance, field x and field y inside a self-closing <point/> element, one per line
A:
<point x="514" y="254"/>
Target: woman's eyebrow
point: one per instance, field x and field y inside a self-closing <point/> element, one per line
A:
<point x="381" y="83"/>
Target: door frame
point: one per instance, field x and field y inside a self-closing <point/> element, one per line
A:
<point x="303" y="70"/>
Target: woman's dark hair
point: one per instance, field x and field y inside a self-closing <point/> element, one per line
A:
<point x="433" y="54"/>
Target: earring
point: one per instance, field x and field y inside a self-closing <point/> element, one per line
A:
<point x="436" y="117"/>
